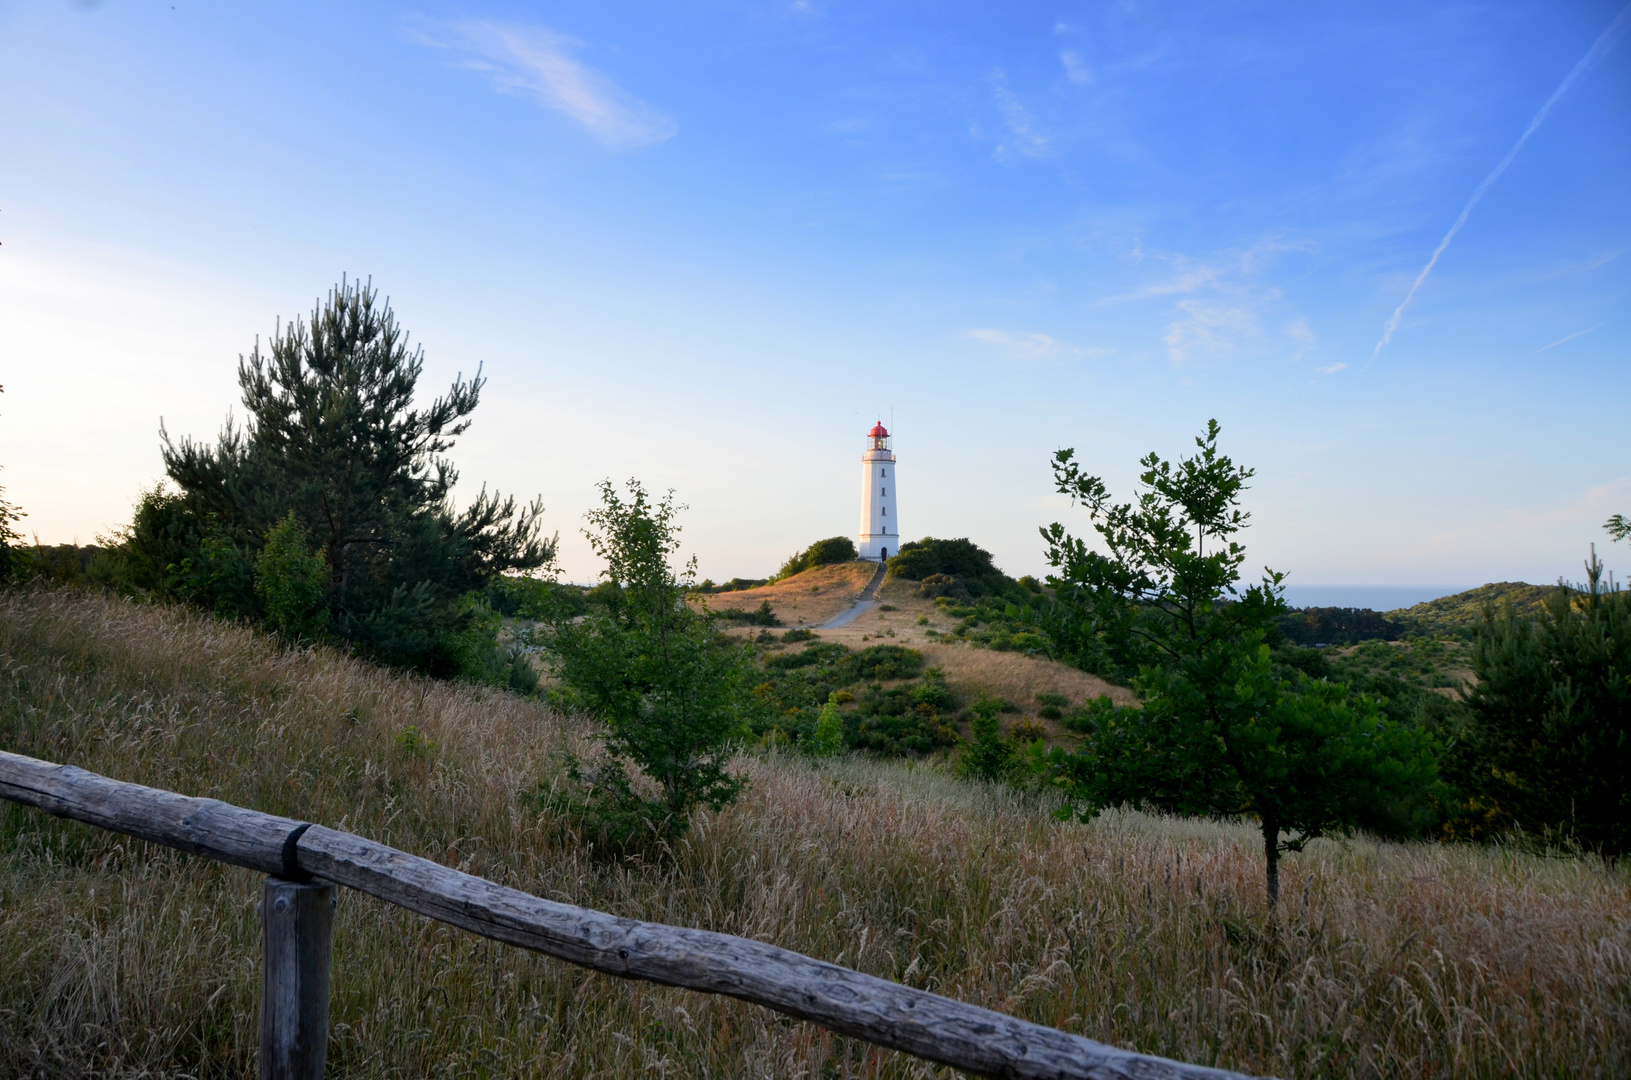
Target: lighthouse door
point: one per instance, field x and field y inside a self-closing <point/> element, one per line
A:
<point x="883" y="553"/>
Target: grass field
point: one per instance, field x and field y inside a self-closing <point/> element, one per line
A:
<point x="122" y="960"/>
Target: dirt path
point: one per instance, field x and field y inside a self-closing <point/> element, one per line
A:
<point x="863" y="604"/>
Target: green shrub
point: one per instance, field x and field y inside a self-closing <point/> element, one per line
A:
<point x="828" y="737"/>
<point x="672" y="693"/>
<point x="825" y="652"/>
<point x="990" y="756"/>
<point x="950" y="567"/>
<point x="834" y="549"/>
<point x="798" y="634"/>
<point x="292" y="583"/>
<point x="883" y="662"/>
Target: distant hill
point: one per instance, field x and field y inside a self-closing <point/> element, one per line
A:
<point x="1459" y="613"/>
<point x="1453" y="616"/>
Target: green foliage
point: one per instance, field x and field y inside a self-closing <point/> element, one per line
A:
<point x="989" y="756"/>
<point x="993" y="623"/>
<point x="1619" y="527"/>
<point x="735" y="584"/>
<point x="1217" y="733"/>
<point x="1549" y="745"/>
<point x="334" y="437"/>
<point x="671" y="691"/>
<point x="763" y="615"/>
<point x="907" y="717"/>
<point x="1337" y="626"/>
<point x="834" y="549"/>
<point x="828" y="738"/>
<point x="798" y="634"/>
<point x="957" y="568"/>
<point x="1461" y="615"/>
<point x="413" y="744"/>
<point x="535" y="598"/>
<point x="10" y="538"/>
<point x="291" y="583"/>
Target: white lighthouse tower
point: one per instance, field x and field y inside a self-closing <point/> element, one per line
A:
<point x="880" y="527"/>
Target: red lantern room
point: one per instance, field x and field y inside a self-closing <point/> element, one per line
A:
<point x="880" y="436"/>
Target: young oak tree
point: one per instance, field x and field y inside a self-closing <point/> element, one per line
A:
<point x="672" y="692"/>
<point x="1215" y="732"/>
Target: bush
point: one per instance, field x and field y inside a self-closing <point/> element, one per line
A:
<point x="950" y="568"/>
<point x="1028" y="731"/>
<point x="990" y="756"/>
<point x="672" y="692"/>
<point x="291" y="583"/>
<point x="828" y="738"/>
<point x="883" y="662"/>
<point x="834" y="549"/>
<point x="798" y="634"/>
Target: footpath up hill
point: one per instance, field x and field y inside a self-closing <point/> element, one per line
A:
<point x="120" y="959"/>
<point x="807" y="598"/>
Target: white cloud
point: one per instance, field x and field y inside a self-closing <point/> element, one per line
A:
<point x="1027" y="346"/>
<point x="1331" y="369"/>
<point x="537" y="62"/>
<point x="1076" y="70"/>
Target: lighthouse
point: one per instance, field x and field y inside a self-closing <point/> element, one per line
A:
<point x="880" y="527"/>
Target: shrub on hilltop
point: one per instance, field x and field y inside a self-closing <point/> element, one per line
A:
<point x="834" y="549"/>
<point x="958" y="568"/>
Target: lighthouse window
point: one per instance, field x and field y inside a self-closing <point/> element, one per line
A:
<point x="886" y="492"/>
<point x="886" y="511"/>
<point x="883" y="472"/>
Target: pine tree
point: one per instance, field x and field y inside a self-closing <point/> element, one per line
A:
<point x="332" y="436"/>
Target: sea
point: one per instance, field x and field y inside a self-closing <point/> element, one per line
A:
<point x="1375" y="597"/>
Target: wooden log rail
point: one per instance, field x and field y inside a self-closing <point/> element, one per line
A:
<point x="302" y="860"/>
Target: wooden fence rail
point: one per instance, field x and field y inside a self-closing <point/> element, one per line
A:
<point x="302" y="860"/>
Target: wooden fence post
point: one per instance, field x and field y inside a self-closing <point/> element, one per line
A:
<point x="297" y="924"/>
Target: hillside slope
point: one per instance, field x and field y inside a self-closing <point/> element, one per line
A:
<point x="804" y="599"/>
<point x="1458" y="614"/>
<point x="118" y="959"/>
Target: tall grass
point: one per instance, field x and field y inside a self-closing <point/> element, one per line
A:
<point x="122" y="959"/>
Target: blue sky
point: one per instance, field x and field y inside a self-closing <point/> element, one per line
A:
<point x="708" y="244"/>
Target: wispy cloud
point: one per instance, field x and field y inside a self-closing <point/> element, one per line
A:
<point x="1076" y="69"/>
<point x="537" y="62"/>
<point x="1298" y="331"/>
<point x="1594" y="55"/>
<point x="1025" y="136"/>
<point x="1331" y="369"/>
<point x="1203" y="328"/>
<point x="1222" y="300"/>
<point x="1571" y="337"/>
<point x="1027" y="346"/>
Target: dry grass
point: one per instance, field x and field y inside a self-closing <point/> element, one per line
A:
<point x="119" y="959"/>
<point x="809" y="597"/>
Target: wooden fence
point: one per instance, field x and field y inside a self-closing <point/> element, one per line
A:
<point x="304" y="862"/>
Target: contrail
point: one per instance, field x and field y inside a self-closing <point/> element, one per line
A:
<point x="1571" y="337"/>
<point x="1599" y="48"/>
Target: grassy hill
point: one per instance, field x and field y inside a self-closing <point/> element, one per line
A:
<point x="1457" y="615"/>
<point x="120" y="959"/>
